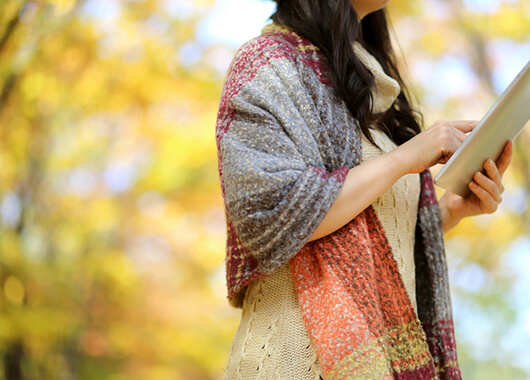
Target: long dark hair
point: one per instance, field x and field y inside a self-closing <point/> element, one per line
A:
<point x="333" y="25"/>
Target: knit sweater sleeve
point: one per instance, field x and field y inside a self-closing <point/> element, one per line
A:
<point x="275" y="184"/>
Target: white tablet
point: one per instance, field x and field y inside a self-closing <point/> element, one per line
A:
<point x="503" y="122"/>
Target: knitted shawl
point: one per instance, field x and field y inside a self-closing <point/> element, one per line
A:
<point x="285" y="144"/>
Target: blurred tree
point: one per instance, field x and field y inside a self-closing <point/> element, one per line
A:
<point x="111" y="233"/>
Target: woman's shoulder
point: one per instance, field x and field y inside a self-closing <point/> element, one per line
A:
<point x="280" y="48"/>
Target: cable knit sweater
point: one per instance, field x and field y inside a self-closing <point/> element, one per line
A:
<point x="285" y="144"/>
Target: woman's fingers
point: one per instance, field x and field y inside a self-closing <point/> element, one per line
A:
<point x="436" y="144"/>
<point x="505" y="158"/>
<point x="464" y="125"/>
<point x="493" y="172"/>
<point x="461" y="136"/>
<point x="488" y="204"/>
<point x="446" y="137"/>
<point x="489" y="185"/>
<point x="488" y="188"/>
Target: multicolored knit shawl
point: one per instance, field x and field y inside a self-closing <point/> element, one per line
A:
<point x="285" y="144"/>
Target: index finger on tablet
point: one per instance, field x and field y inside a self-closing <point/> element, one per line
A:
<point x="464" y="125"/>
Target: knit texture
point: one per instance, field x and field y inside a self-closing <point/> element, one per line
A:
<point x="285" y="143"/>
<point x="397" y="209"/>
<point x="272" y="341"/>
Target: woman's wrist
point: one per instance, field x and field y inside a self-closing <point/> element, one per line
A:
<point x="363" y="184"/>
<point x="402" y="159"/>
<point x="450" y="218"/>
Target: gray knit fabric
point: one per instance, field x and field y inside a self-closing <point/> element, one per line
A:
<point x="277" y="159"/>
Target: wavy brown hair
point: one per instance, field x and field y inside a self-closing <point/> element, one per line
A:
<point x="333" y="25"/>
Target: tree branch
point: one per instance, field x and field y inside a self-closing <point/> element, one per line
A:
<point x="10" y="28"/>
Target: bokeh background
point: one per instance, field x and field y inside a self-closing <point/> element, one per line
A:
<point x="111" y="221"/>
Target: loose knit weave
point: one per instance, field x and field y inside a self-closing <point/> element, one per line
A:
<point x="397" y="210"/>
<point x="285" y="144"/>
<point x="272" y="341"/>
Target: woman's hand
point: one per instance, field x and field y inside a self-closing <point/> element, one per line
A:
<point x="485" y="196"/>
<point x="435" y="145"/>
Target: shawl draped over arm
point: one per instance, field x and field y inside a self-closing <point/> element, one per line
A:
<point x="276" y="185"/>
<point x="285" y="144"/>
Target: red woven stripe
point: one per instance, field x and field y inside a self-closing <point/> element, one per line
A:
<point x="424" y="372"/>
<point x="427" y="188"/>
<point x="440" y="338"/>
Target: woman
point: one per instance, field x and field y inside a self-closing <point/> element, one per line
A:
<point x="335" y="245"/>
